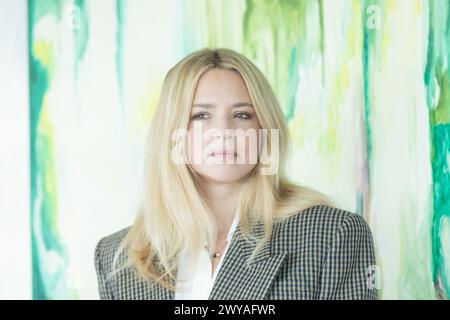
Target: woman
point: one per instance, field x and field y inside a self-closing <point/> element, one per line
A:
<point x="221" y="221"/>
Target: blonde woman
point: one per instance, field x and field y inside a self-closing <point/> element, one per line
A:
<point x="219" y="217"/>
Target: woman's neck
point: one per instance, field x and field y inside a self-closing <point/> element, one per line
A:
<point x="222" y="199"/>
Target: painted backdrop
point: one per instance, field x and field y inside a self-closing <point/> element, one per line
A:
<point x="364" y="86"/>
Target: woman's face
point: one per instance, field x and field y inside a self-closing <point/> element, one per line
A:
<point x="223" y="138"/>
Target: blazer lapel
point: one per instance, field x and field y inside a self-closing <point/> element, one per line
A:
<point x="238" y="279"/>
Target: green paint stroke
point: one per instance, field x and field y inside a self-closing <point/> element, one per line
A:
<point x="292" y="83"/>
<point x="437" y="92"/>
<point x="371" y="57"/>
<point x="120" y="34"/>
<point x="278" y="29"/>
<point x="48" y="277"/>
<point x="81" y="33"/>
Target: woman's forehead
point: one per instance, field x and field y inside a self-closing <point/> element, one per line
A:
<point x="221" y="84"/>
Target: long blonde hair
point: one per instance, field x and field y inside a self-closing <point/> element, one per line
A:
<point x="173" y="217"/>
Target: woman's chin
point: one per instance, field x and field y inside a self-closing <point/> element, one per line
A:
<point x="224" y="175"/>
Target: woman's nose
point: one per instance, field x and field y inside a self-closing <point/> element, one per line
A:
<point x="226" y="133"/>
<point x="221" y="129"/>
<point x="222" y="124"/>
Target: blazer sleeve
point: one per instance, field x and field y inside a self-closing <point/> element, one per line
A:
<point x="347" y="272"/>
<point x="104" y="288"/>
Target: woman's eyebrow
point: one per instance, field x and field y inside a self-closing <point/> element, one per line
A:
<point x="235" y="105"/>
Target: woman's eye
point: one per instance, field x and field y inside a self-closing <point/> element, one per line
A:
<point x="204" y="116"/>
<point x="199" y="116"/>
<point x="243" y="115"/>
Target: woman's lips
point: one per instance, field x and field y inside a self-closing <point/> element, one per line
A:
<point x="223" y="153"/>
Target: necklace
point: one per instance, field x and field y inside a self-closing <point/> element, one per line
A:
<point x="217" y="254"/>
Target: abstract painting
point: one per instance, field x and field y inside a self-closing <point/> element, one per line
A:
<point x="364" y="86"/>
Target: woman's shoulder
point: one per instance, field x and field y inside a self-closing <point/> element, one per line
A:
<point x="330" y="244"/>
<point x="107" y="246"/>
<point x="322" y="222"/>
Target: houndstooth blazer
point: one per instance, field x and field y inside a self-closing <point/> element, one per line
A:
<point x="319" y="253"/>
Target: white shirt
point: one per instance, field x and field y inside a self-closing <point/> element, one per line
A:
<point x="200" y="284"/>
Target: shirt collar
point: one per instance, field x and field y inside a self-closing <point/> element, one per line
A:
<point x="233" y="226"/>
